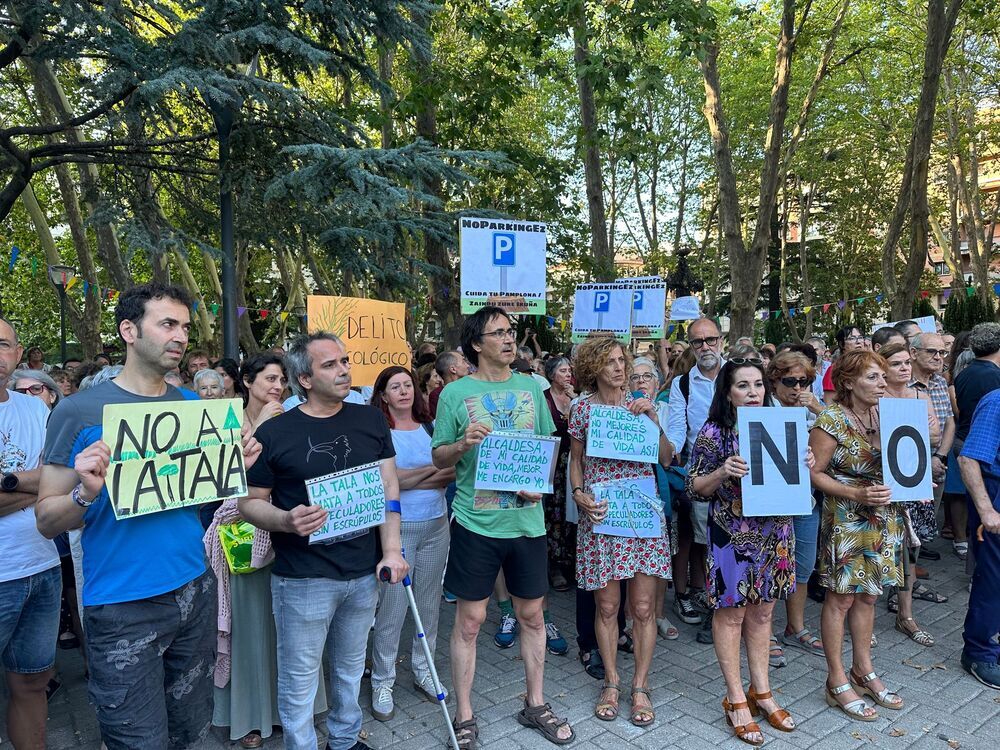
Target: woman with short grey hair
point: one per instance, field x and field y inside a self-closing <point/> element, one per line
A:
<point x="36" y="383"/>
<point x="208" y="384"/>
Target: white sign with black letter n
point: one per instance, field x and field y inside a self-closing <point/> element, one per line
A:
<point x="773" y="442"/>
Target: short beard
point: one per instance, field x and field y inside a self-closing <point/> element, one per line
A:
<point x="708" y="361"/>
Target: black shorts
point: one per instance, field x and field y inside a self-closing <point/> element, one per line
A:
<point x="475" y="560"/>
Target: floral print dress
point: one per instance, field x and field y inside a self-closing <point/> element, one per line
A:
<point x="601" y="558"/>
<point x="751" y="560"/>
<point x="859" y="545"/>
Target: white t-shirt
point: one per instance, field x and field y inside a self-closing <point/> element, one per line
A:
<point x="413" y="450"/>
<point x="22" y="436"/>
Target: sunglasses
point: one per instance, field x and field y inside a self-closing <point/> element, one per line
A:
<point x="754" y="361"/>
<point x="35" y="390"/>
<point x="800" y="382"/>
<point x="710" y="340"/>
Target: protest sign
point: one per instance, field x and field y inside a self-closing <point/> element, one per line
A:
<point x="773" y="442"/>
<point x="649" y="306"/>
<point x="927" y="324"/>
<point x="633" y="508"/>
<point x="906" y="448"/>
<point x="615" y="432"/>
<point x="354" y="500"/>
<point x="503" y="264"/>
<point x="171" y="454"/>
<point x="602" y="310"/>
<point x="374" y="332"/>
<point x="514" y="463"/>
<point x="685" y="308"/>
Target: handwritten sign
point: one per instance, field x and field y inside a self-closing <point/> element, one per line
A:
<point x="615" y="432"/>
<point x="906" y="448"/>
<point x="773" y="442"/>
<point x="649" y="300"/>
<point x="517" y="462"/>
<point x="168" y="455"/>
<point x="503" y="264"/>
<point x="602" y="310"/>
<point x="374" y="332"/>
<point x="354" y="500"/>
<point x="633" y="508"/>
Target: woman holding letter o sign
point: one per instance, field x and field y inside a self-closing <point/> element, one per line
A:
<point x="751" y="560"/>
<point x="602" y="561"/>
<point x="861" y="534"/>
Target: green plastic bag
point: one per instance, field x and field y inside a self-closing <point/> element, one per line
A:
<point x="237" y="546"/>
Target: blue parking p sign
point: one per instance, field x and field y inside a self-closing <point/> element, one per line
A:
<point x="503" y="249"/>
<point x="602" y="302"/>
<point x="637" y="299"/>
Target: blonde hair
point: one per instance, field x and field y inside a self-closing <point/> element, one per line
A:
<point x="592" y="356"/>
<point x="850" y="367"/>
<point x="786" y="361"/>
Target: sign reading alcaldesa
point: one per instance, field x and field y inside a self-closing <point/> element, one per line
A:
<point x="514" y="463"/>
<point x="354" y="501"/>
<point x="603" y="310"/>
<point x="503" y="264"/>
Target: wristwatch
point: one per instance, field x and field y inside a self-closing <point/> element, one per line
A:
<point x="942" y="459"/>
<point x="77" y="495"/>
<point x="9" y="483"/>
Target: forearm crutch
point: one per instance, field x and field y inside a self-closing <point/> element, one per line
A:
<point x="385" y="575"/>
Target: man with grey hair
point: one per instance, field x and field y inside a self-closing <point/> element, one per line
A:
<point x="980" y="377"/>
<point x="322" y="594"/>
<point x="690" y="397"/>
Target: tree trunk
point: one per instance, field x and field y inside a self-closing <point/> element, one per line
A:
<point x="601" y="252"/>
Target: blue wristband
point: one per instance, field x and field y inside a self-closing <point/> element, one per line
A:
<point x="393" y="506"/>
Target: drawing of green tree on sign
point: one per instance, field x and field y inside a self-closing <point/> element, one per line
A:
<point x="333" y="314"/>
<point x="170" y="470"/>
<point x="232" y="424"/>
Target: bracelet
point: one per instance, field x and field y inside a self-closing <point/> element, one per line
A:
<point x="939" y="457"/>
<point x="393" y="506"/>
<point x="77" y="497"/>
<point x="576" y="489"/>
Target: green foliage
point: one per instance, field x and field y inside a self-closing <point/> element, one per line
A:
<point x="964" y="311"/>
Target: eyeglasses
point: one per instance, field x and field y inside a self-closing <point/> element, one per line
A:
<point x="933" y="352"/>
<point x="800" y="382"/>
<point x="35" y="390"/>
<point x="854" y="339"/>
<point x="501" y="333"/>
<point x="754" y="361"/>
<point x="709" y="340"/>
<point x="646" y="377"/>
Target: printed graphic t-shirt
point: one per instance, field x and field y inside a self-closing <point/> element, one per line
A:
<point x="514" y="405"/>
<point x="297" y="447"/>
<point x="23" y="550"/>
<point x="135" y="558"/>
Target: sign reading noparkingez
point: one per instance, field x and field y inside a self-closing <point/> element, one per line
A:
<point x="503" y="264"/>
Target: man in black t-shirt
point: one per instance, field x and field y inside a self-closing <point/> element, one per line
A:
<point x="322" y="594"/>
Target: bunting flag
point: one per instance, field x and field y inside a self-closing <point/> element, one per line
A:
<point x="946" y="293"/>
<point x="240" y="311"/>
<point x="970" y="291"/>
<point x="215" y="308"/>
<point x="14" y="252"/>
<point x="194" y="305"/>
<point x="925" y="294"/>
<point x="283" y="317"/>
<point x="72" y="282"/>
<point x="263" y="314"/>
<point x="842" y="304"/>
<point x="34" y="266"/>
<point x="791" y="313"/>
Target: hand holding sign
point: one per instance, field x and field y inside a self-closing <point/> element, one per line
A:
<point x="595" y="509"/>
<point x="91" y="466"/>
<point x="305" y="519"/>
<point x="874" y="495"/>
<point x="475" y="433"/>
<point x="735" y="467"/>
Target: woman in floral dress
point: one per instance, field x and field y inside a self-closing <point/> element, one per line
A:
<point x="751" y="560"/>
<point x="861" y="532"/>
<point x="602" y="561"/>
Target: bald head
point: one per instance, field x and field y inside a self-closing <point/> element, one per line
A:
<point x="10" y="354"/>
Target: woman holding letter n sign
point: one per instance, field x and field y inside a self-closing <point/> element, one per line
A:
<point x="861" y="533"/>
<point x="751" y="560"/>
<point x="602" y="369"/>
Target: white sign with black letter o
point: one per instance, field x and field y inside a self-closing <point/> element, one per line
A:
<point x="773" y="442"/>
<point x="906" y="448"/>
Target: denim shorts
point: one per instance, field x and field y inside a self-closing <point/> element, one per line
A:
<point x="806" y="530"/>
<point x="29" y="621"/>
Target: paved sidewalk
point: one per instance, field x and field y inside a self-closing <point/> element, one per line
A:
<point x="945" y="708"/>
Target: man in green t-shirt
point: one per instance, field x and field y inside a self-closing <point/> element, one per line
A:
<point x="494" y="531"/>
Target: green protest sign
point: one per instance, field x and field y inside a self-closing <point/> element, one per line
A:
<point x="167" y="455"/>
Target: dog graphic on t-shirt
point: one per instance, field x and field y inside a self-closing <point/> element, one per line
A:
<point x="337" y="449"/>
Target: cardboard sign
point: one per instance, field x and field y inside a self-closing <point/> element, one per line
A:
<point x="649" y="306"/>
<point x="503" y="264"/>
<point x="685" y="308"/>
<point x="512" y="463"/>
<point x="906" y="448"/>
<point x="773" y="442"/>
<point x="634" y="508"/>
<point x="615" y="432"/>
<point x="927" y="324"/>
<point x="354" y="500"/>
<point x="172" y="454"/>
<point x="602" y="310"/>
<point x="374" y="332"/>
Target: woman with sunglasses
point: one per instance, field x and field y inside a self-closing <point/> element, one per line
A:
<point x="791" y="375"/>
<point x="751" y="559"/>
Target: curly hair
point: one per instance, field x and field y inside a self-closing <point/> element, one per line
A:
<point x="592" y="356"/>
<point x="786" y="361"/>
<point x="852" y="366"/>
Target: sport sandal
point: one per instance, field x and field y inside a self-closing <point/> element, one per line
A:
<point x="776" y="718"/>
<point x="742" y="731"/>
<point x="855" y="709"/>
<point x="467" y="733"/>
<point x="882" y="697"/>
<point x="546" y="722"/>
<point x="607" y="710"/>
<point x="642" y="716"/>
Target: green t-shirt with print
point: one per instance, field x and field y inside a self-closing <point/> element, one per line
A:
<point x="514" y="405"/>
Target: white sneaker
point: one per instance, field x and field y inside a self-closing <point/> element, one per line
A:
<point x="426" y="686"/>
<point x="383" y="708"/>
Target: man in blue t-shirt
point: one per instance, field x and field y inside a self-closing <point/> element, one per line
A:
<point x="149" y="602"/>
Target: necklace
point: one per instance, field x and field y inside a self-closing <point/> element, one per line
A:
<point x="870" y="428"/>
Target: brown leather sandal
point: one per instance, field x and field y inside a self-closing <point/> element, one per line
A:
<point x="776" y="718"/>
<point x="642" y="716"/>
<point x="467" y="733"/>
<point x="742" y="731"/>
<point x="606" y="710"/>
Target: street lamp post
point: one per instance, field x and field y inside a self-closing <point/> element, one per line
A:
<point x="60" y="276"/>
